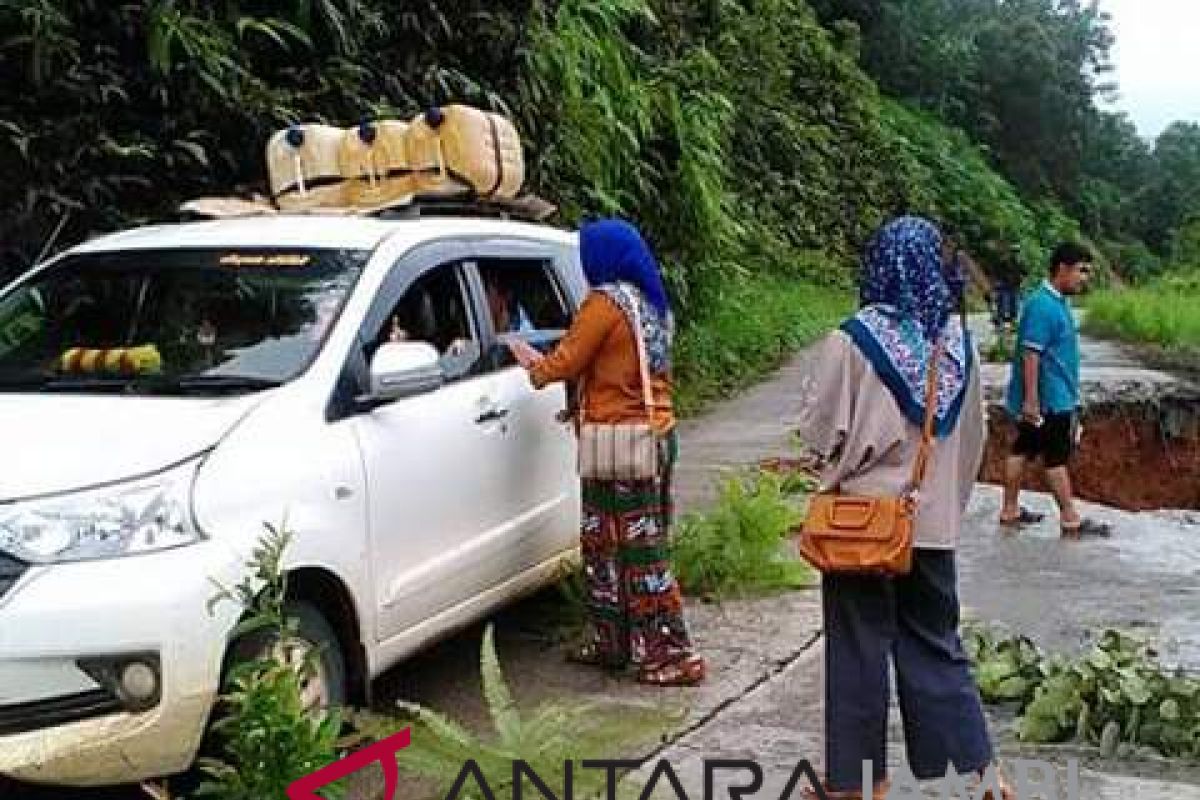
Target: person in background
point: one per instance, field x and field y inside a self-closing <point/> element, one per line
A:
<point x="863" y="416"/>
<point x="1043" y="394"/>
<point x="634" y="604"/>
<point x="1006" y="290"/>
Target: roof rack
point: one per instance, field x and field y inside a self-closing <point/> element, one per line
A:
<point x="528" y="208"/>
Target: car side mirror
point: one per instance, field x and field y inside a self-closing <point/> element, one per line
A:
<point x="404" y="369"/>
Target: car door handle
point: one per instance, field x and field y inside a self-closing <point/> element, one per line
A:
<point x="494" y="415"/>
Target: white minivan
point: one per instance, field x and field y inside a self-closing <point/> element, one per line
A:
<point x="343" y="375"/>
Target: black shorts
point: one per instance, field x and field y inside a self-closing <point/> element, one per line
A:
<point x="1053" y="442"/>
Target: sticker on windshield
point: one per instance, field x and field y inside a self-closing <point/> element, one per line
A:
<point x="265" y="260"/>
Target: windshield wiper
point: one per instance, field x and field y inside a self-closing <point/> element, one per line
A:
<point x="206" y="384"/>
<point x="19" y="382"/>
<point x="73" y="383"/>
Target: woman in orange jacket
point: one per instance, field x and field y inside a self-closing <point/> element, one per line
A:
<point x="634" y="605"/>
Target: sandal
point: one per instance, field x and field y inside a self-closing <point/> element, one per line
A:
<point x="1087" y="527"/>
<point x="687" y="671"/>
<point x="1007" y="792"/>
<point x="1025" y="517"/>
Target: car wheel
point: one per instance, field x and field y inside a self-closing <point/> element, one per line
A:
<point x="325" y="686"/>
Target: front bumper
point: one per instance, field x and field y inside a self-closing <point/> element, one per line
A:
<point x="59" y="722"/>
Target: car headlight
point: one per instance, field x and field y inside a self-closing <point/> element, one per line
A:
<point x="139" y="516"/>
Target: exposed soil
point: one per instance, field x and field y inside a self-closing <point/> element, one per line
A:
<point x="1133" y="457"/>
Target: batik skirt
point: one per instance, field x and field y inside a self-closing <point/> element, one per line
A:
<point x="633" y="601"/>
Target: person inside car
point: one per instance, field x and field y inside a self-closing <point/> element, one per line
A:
<point x="508" y="315"/>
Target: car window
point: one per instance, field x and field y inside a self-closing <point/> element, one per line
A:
<point x="160" y="320"/>
<point x="523" y="296"/>
<point x="434" y="310"/>
<point x="523" y="299"/>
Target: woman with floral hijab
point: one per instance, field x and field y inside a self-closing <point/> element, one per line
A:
<point x="864" y="417"/>
<point x="634" y="608"/>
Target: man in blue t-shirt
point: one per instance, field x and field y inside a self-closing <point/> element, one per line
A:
<point x="1043" y="393"/>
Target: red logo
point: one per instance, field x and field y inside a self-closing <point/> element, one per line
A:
<point x="383" y="751"/>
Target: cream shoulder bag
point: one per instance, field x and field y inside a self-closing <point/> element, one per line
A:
<point x="625" y="451"/>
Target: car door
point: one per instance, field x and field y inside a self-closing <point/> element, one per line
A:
<point x="536" y="481"/>
<point x="430" y="459"/>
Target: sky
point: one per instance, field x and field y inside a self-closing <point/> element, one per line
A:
<point x="1157" y="56"/>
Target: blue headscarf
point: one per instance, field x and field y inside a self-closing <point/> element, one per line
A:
<point x="613" y="251"/>
<point x="615" y="257"/>
<point x="908" y="297"/>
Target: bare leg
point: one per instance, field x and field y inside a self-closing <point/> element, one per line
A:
<point x="1014" y="474"/>
<point x="1060" y="483"/>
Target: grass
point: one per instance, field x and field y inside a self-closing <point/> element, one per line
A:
<point x="753" y="327"/>
<point x="1165" y="315"/>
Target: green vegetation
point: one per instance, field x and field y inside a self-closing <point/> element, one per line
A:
<point x="743" y="135"/>
<point x="545" y="738"/>
<point x="1023" y="80"/>
<point x="267" y="737"/>
<point x="1165" y="314"/>
<point x="750" y="330"/>
<point x="741" y="545"/>
<point x="1000" y="350"/>
<point x="1118" y="696"/>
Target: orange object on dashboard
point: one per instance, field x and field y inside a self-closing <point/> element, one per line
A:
<point x="120" y="360"/>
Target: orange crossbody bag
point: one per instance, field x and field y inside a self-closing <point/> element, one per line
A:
<point x="858" y="535"/>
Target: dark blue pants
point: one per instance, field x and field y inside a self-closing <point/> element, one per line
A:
<point x="914" y="620"/>
<point x="1006" y="305"/>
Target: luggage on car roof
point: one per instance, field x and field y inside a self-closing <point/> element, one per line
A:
<point x="302" y="164"/>
<point x="459" y="147"/>
<point x="373" y="159"/>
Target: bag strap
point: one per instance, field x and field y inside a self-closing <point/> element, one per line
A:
<point x="640" y="340"/>
<point x="925" y="450"/>
<point x="643" y="362"/>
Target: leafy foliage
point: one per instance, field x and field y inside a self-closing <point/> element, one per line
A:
<point x="741" y="134"/>
<point x="1174" y="193"/>
<point x="1000" y="349"/>
<point x="752" y="327"/>
<point x="1017" y="76"/>
<point x="1026" y="81"/>
<point x="545" y="738"/>
<point x="741" y="545"/>
<point x="1163" y="314"/>
<point x="1117" y="696"/>
<point x="267" y="737"/>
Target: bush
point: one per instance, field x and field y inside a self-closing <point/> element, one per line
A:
<point x="1133" y="261"/>
<point x="1185" y="245"/>
<point x="1117" y="696"/>
<point x="267" y="737"/>
<point x="741" y="546"/>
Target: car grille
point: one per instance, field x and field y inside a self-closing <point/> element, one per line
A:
<point x="11" y="571"/>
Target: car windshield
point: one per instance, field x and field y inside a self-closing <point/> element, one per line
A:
<point x="178" y="321"/>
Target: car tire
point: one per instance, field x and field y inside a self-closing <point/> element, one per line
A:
<point x="313" y="633"/>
